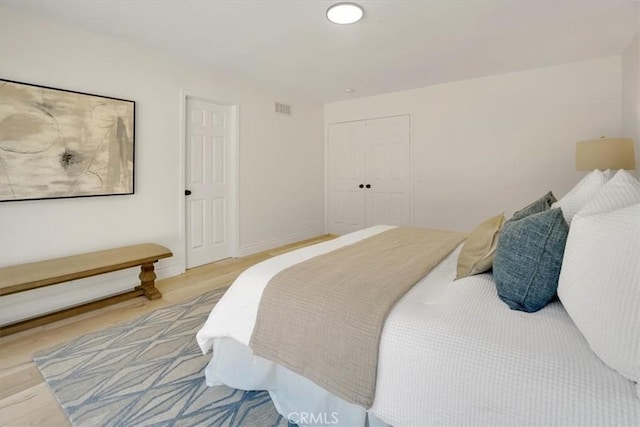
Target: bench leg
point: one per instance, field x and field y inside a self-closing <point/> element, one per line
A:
<point x="147" y="281"/>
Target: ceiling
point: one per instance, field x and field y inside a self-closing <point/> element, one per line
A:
<point x="290" y="45"/>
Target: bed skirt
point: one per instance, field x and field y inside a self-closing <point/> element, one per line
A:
<point x="295" y="397"/>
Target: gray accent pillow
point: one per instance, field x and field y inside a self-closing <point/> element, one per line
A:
<point x="542" y="204"/>
<point x="528" y="259"/>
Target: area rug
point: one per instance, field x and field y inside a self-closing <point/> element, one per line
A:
<point x="149" y="372"/>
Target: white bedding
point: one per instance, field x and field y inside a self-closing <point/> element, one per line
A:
<point x="451" y="353"/>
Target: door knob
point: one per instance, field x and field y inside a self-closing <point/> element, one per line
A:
<point x="368" y="185"/>
<point x="187" y="192"/>
<point x="361" y="185"/>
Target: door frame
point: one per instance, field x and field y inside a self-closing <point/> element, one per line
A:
<point x="234" y="171"/>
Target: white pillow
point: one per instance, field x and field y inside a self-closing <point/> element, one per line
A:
<point x="599" y="285"/>
<point x="573" y="201"/>
<point x="620" y="191"/>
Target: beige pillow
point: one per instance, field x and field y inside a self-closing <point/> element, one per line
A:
<point x="477" y="252"/>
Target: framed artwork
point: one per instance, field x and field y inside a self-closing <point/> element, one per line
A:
<point x="57" y="143"/>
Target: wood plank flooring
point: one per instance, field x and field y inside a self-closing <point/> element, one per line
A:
<point x="25" y="399"/>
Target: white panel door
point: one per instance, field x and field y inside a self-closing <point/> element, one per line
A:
<point x="345" y="175"/>
<point x="368" y="174"/>
<point x="208" y="134"/>
<point x="387" y="173"/>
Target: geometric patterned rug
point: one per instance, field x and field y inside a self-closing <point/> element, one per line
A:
<point x="150" y="372"/>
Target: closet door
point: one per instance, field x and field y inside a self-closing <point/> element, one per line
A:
<point x="345" y="174"/>
<point x="368" y="174"/>
<point x="387" y="171"/>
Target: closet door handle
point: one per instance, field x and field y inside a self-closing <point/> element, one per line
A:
<point x="368" y="185"/>
<point x="361" y="185"/>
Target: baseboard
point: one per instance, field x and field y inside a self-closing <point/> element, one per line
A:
<point x="281" y="241"/>
<point x="170" y="271"/>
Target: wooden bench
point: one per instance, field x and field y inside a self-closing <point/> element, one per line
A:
<point x="24" y="277"/>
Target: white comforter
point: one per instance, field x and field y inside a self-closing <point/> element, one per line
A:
<point x="452" y="353"/>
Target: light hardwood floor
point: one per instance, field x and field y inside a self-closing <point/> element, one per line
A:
<point x="25" y="399"/>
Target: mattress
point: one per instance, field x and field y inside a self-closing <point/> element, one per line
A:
<point x="451" y="353"/>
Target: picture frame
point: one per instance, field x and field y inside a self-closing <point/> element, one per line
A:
<point x="59" y="143"/>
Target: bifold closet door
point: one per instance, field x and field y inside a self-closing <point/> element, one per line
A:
<point x="368" y="174"/>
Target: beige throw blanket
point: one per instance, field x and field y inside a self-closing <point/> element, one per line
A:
<point x="322" y="318"/>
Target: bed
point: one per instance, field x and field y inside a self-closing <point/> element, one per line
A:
<point x="451" y="351"/>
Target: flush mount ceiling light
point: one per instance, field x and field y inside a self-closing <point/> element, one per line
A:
<point x="344" y="13"/>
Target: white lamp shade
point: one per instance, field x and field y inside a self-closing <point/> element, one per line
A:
<point x="605" y="153"/>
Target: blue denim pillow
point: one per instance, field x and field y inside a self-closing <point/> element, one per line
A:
<point x="542" y="204"/>
<point x="528" y="258"/>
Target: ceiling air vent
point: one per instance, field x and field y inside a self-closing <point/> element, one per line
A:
<point x="283" y="108"/>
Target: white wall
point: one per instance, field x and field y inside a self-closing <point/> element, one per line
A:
<point x="631" y="93"/>
<point x="281" y="159"/>
<point x="496" y="143"/>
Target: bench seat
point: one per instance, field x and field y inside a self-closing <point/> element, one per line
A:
<point x="34" y="275"/>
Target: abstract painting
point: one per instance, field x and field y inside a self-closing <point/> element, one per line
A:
<point x="57" y="143"/>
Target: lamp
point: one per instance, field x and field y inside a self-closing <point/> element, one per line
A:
<point x="345" y="13"/>
<point x="605" y="153"/>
